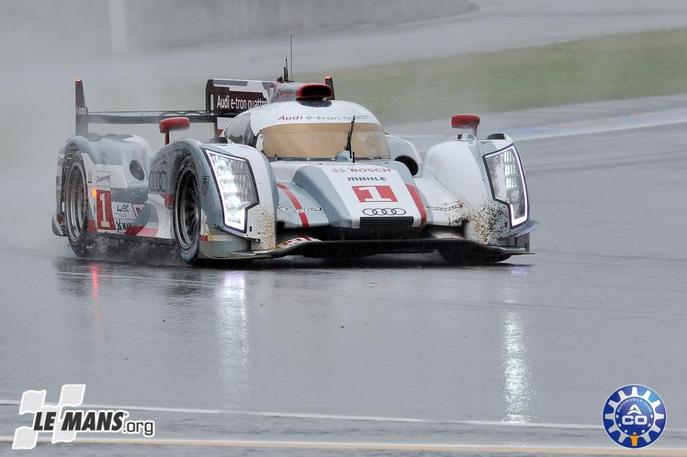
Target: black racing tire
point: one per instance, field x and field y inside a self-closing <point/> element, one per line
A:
<point x="461" y="258"/>
<point x="186" y="213"/>
<point x="76" y="208"/>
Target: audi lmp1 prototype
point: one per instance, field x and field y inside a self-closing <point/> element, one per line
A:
<point x="294" y="172"/>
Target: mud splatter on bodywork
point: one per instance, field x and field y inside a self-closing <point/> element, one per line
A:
<point x="267" y="232"/>
<point x="487" y="224"/>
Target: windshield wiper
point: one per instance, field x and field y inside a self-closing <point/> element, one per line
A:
<point x="349" y="148"/>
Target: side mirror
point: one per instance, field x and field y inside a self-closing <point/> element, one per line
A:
<point x="173" y="123"/>
<point x="465" y="121"/>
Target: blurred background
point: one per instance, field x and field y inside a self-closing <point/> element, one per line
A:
<point x="405" y="60"/>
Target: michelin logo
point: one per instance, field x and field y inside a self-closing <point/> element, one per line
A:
<point x="63" y="422"/>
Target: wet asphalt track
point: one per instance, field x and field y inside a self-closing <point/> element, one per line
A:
<point x="539" y="339"/>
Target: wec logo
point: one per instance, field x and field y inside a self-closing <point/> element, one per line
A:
<point x="65" y="423"/>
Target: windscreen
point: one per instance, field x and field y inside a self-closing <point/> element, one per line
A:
<point x="323" y="140"/>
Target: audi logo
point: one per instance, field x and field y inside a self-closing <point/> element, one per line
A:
<point x="384" y="211"/>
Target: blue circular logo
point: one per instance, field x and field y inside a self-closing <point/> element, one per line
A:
<point x="634" y="416"/>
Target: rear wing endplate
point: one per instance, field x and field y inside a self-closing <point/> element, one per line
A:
<point x="225" y="98"/>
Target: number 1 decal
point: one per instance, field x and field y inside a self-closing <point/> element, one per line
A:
<point x="103" y="214"/>
<point x="374" y="194"/>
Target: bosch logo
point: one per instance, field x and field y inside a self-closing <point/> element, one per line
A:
<point x="384" y="211"/>
<point x="361" y="170"/>
<point x="634" y="416"/>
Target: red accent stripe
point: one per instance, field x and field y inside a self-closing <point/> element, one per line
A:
<point x="296" y="204"/>
<point x="418" y="202"/>
<point x="91" y="226"/>
<point x="133" y="230"/>
<point x="204" y="237"/>
<point x="147" y="231"/>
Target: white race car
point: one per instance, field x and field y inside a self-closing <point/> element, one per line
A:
<point x="295" y="172"/>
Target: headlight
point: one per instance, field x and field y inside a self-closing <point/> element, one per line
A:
<point x="236" y="187"/>
<point x="507" y="180"/>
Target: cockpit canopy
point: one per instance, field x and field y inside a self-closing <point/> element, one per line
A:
<point x="323" y="140"/>
<point x="310" y="130"/>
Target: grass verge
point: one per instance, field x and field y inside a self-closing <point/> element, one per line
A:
<point x="616" y="67"/>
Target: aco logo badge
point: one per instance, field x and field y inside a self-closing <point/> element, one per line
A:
<point x="634" y="416"/>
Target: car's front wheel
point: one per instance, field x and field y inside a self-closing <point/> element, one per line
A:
<point x="186" y="214"/>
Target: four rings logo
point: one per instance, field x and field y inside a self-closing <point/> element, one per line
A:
<point x="65" y="423"/>
<point x="384" y="211"/>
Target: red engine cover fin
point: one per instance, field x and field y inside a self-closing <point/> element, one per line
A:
<point x="313" y="91"/>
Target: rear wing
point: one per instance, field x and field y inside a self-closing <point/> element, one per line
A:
<point x="224" y="98"/>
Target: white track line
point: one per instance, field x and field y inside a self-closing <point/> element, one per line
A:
<point x="575" y="128"/>
<point x="336" y="417"/>
<point x="341" y="417"/>
<point x="595" y="130"/>
<point x="376" y="446"/>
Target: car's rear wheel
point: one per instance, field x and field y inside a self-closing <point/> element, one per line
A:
<point x="186" y="214"/>
<point x="76" y="208"/>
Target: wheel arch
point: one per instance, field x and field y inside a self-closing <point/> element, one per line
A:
<point x="166" y="166"/>
<point x="459" y="168"/>
<point x="72" y="147"/>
